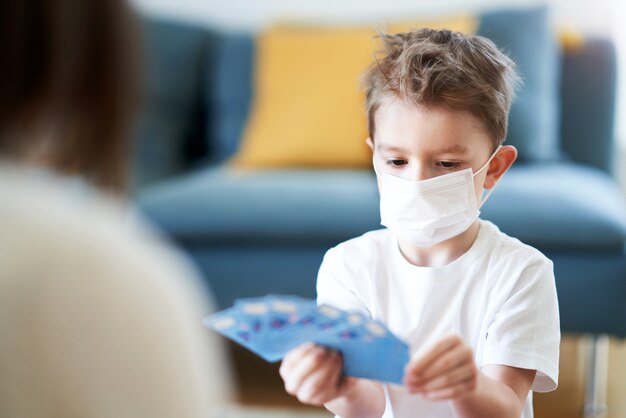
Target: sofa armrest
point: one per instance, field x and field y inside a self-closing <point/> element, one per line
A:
<point x="588" y="94"/>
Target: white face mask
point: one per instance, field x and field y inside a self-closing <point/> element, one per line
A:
<point x="427" y="212"/>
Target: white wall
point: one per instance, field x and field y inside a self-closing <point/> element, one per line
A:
<point x="252" y="14"/>
<point x="593" y="16"/>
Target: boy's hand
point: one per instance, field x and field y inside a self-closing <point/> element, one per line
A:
<point x="313" y="374"/>
<point x="446" y="371"/>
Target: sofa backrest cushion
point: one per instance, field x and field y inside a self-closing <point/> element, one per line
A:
<point x="527" y="36"/>
<point x="588" y="96"/>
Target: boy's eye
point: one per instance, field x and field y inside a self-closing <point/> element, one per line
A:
<point x="448" y="164"/>
<point x="396" y="163"/>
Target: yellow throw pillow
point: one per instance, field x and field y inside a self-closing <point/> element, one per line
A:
<point x="308" y="110"/>
<point x="571" y="40"/>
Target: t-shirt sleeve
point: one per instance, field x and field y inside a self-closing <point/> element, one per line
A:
<point x="525" y="331"/>
<point x="335" y="284"/>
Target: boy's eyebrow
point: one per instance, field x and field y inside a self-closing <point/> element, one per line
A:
<point x="382" y="147"/>
<point x="453" y="149"/>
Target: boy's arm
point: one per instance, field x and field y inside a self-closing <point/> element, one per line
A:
<point x="364" y="399"/>
<point x="500" y="392"/>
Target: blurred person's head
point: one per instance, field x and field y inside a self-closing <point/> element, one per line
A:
<point x="68" y="86"/>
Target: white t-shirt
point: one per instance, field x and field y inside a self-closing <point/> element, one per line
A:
<point x="499" y="296"/>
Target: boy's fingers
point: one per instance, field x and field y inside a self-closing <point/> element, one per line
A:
<point x="447" y="362"/>
<point x="322" y="384"/>
<point x="293" y="357"/>
<point x="300" y="351"/>
<point x="424" y="361"/>
<point x="303" y="368"/>
<point x="460" y="389"/>
<point x="450" y="379"/>
<point x="333" y="386"/>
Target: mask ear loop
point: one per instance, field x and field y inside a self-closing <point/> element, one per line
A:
<point x="374" y="164"/>
<point x="486" y="196"/>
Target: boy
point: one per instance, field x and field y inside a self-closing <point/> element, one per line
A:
<point x="477" y="308"/>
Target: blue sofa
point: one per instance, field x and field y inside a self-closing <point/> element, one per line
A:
<point x="256" y="232"/>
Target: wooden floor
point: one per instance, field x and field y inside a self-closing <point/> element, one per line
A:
<point x="260" y="384"/>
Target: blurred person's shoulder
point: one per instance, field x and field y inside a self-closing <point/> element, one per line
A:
<point x="49" y="219"/>
<point x="52" y="224"/>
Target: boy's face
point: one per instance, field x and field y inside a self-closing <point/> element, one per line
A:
<point x="418" y="143"/>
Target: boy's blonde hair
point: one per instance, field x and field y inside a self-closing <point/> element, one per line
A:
<point x="442" y="68"/>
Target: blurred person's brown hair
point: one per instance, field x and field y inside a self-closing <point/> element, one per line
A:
<point x="429" y="67"/>
<point x="68" y="86"/>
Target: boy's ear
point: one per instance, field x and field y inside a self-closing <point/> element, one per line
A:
<point x="499" y="165"/>
<point x="369" y="143"/>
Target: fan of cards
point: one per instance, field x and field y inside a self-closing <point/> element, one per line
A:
<point x="272" y="325"/>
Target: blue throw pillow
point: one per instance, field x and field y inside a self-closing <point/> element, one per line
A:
<point x="168" y="123"/>
<point x="528" y="38"/>
<point x="229" y="93"/>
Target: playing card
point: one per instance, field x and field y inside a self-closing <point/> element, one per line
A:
<point x="291" y="323"/>
<point x="283" y="316"/>
<point x="369" y="350"/>
<point x="273" y="325"/>
<point x="282" y="319"/>
<point x="228" y="323"/>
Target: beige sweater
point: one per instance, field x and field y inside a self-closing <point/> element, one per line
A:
<point x="97" y="317"/>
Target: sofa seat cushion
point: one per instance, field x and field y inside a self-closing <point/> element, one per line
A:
<point x="225" y="205"/>
<point x="561" y="205"/>
<point x="592" y="289"/>
<point x="546" y="205"/>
